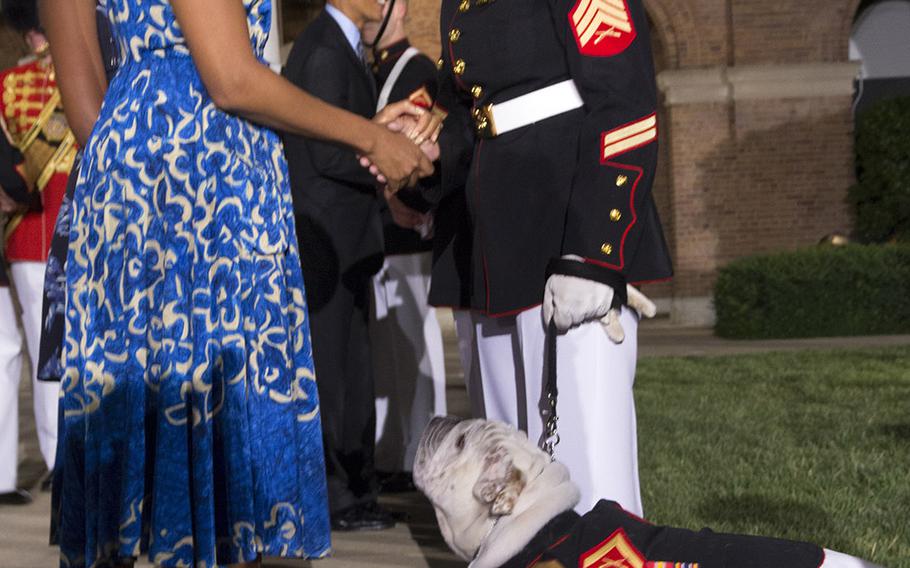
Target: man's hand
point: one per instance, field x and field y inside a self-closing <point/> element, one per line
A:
<point x="417" y="124"/>
<point x="403" y="215"/>
<point x="570" y="301"/>
<point x="638" y="302"/>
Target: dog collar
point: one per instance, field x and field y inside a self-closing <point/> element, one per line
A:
<point x="486" y="536"/>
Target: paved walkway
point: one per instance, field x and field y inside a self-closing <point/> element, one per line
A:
<point x="412" y="544"/>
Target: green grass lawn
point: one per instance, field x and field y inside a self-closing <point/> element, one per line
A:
<point x="810" y="445"/>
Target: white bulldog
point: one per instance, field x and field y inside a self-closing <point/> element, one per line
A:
<point x="494" y="492"/>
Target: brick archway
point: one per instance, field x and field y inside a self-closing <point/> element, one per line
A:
<point x="847" y="25"/>
<point x="665" y="32"/>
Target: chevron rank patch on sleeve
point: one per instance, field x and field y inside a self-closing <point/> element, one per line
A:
<point x="615" y="552"/>
<point x="602" y="28"/>
<point x="628" y="137"/>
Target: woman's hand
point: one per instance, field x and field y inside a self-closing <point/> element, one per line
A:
<point x="396" y="160"/>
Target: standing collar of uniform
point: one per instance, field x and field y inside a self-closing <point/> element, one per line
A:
<point x="348" y="28"/>
<point x="387" y="56"/>
<point x="552" y="534"/>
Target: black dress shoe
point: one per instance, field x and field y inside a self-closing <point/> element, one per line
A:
<point x="398" y="482"/>
<point x="366" y="517"/>
<point x="48" y="482"/>
<point x="16" y="497"/>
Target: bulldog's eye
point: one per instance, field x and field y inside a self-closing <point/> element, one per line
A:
<point x="459" y="443"/>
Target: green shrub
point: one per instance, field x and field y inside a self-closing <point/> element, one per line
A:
<point x="881" y="198"/>
<point x="817" y="292"/>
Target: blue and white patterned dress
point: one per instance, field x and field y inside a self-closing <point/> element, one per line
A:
<point x="191" y="420"/>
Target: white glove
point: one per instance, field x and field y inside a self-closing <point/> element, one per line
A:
<point x="570" y="301"/>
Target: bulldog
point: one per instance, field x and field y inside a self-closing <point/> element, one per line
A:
<point x="501" y="502"/>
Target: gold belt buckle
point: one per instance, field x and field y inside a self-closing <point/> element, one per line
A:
<point x="484" y="125"/>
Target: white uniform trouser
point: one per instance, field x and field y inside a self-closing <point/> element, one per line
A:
<point x="28" y="280"/>
<point x="504" y="371"/>
<point x="835" y="559"/>
<point x="408" y="359"/>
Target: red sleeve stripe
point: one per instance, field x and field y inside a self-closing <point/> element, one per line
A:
<point x="628" y="137"/>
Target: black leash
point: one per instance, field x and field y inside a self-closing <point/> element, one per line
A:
<point x="620" y="297"/>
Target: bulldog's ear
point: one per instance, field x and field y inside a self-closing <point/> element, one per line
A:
<point x="500" y="483"/>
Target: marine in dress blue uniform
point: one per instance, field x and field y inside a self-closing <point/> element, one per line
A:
<point x="549" y="151"/>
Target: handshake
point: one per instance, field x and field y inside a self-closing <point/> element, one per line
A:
<point x="404" y="152"/>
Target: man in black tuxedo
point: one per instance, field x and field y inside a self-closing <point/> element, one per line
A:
<point x="340" y="233"/>
<point x="408" y="357"/>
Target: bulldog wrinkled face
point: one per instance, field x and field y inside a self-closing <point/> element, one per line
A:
<point x="473" y="471"/>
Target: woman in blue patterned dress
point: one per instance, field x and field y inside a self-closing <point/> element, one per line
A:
<point x="190" y="408"/>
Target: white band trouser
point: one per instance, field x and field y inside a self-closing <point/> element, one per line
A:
<point x="408" y="359"/>
<point x="28" y="281"/>
<point x="28" y="278"/>
<point x="535" y="106"/>
<point x="10" y="372"/>
<point x="504" y="371"/>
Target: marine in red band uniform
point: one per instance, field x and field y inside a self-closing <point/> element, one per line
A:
<point x="33" y="119"/>
<point x="549" y="152"/>
<point x="406" y="340"/>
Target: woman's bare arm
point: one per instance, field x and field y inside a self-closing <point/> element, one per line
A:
<point x="73" y="36"/>
<point x="217" y="35"/>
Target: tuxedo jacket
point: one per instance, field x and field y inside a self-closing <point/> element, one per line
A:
<point x="335" y="199"/>
<point x="576" y="183"/>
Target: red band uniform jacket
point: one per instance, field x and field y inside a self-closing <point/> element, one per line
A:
<point x="576" y="183"/>
<point x="36" y="126"/>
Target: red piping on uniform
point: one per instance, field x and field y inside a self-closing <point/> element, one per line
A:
<point x="551" y="547"/>
<point x="622" y="243"/>
<point x="483" y="256"/>
<point x="486" y="312"/>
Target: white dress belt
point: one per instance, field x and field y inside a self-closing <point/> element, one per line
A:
<point x="496" y="119"/>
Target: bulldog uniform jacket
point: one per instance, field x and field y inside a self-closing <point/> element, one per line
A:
<point x="576" y="183"/>
<point x="418" y="82"/>
<point x="610" y="536"/>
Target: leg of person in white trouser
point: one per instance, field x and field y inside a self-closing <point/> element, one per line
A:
<point x="835" y="559"/>
<point x="28" y="278"/>
<point x="596" y="406"/>
<point x="10" y="372"/>
<point x="408" y="360"/>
